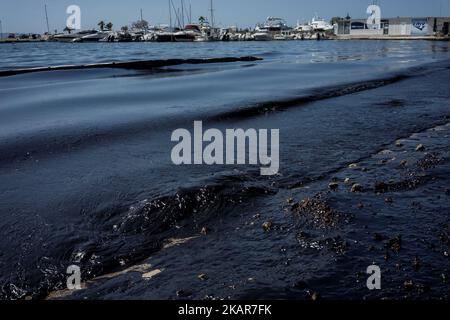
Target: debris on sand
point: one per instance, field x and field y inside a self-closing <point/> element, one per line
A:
<point x="316" y="208"/>
<point x="408" y="285"/>
<point x="389" y="200"/>
<point x="313" y="295"/>
<point x="420" y="148"/>
<point x="334" y="244"/>
<point x="333" y="186"/>
<point x="431" y="160"/>
<point x="395" y="244"/>
<point x="357" y="188"/>
<point x="410" y="183"/>
<point x="202" y="277"/>
<point x="151" y="274"/>
<point x="204" y="231"/>
<point x="267" y="226"/>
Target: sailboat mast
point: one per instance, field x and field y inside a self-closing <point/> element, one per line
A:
<point x="182" y="14"/>
<point x="46" y="19"/>
<point x="177" y="14"/>
<point x="212" y="14"/>
<point x="170" y="15"/>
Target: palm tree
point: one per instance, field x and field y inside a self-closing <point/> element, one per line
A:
<point x="335" y="20"/>
<point x="109" y="26"/>
<point x="202" y="20"/>
<point x="101" y="24"/>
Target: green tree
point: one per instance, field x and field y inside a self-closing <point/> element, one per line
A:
<point x="201" y="20"/>
<point x="109" y="26"/>
<point x="335" y="20"/>
<point x="140" y="25"/>
<point x="124" y="29"/>
<point x="101" y="25"/>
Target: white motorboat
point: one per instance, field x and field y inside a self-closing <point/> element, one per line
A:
<point x="318" y="24"/>
<point x="165" y="36"/>
<point x="95" y="37"/>
<point x="262" y="36"/>
<point x="271" y="28"/>
<point x="303" y="28"/>
<point x="280" y="37"/>
<point x="274" y="24"/>
<point x="72" y="37"/>
<point x="183" y="36"/>
<point x="201" y="38"/>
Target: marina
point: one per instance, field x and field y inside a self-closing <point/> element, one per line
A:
<point x="273" y="29"/>
<point x="87" y="179"/>
<point x="228" y="151"/>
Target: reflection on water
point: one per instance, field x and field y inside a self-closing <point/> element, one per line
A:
<point x="45" y="54"/>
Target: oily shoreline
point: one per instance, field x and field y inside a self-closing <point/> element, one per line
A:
<point x="132" y="65"/>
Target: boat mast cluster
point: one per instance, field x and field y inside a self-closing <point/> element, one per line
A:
<point x="181" y="28"/>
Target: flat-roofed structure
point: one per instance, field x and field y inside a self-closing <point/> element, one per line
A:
<point x="400" y="27"/>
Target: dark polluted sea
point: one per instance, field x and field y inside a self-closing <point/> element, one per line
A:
<point x="86" y="176"/>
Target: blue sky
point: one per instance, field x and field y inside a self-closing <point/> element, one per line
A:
<point x="28" y="15"/>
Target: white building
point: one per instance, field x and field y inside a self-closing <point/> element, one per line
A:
<point x="394" y="27"/>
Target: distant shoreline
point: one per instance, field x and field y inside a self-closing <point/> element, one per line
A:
<point x="340" y="38"/>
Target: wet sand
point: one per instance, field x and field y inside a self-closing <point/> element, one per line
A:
<point x="86" y="176"/>
<point x="316" y="239"/>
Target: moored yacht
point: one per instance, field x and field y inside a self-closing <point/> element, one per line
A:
<point x="189" y="34"/>
<point x="72" y="37"/>
<point x="262" y="36"/>
<point x="303" y="27"/>
<point x="318" y="24"/>
<point x="271" y="28"/>
<point x="95" y="37"/>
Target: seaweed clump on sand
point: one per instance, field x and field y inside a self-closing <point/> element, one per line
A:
<point x="414" y="179"/>
<point x="410" y="183"/>
<point x="318" y="211"/>
<point x="335" y="244"/>
<point x="431" y="160"/>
